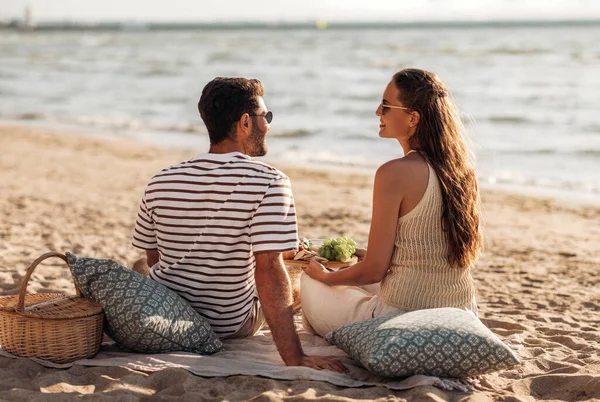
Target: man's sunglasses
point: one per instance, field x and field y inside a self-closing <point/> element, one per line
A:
<point x="268" y="116"/>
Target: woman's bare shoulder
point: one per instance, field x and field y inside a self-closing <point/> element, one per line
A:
<point x="403" y="172"/>
<point x="402" y="168"/>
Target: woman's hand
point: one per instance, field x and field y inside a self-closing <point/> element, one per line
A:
<point x="360" y="253"/>
<point x="316" y="270"/>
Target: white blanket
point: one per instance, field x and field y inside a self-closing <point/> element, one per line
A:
<point x="256" y="356"/>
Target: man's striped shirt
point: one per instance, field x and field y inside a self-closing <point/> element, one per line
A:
<point x="208" y="217"/>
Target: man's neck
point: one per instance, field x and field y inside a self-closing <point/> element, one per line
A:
<point x="225" y="147"/>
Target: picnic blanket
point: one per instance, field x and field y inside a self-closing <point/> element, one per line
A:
<point x="256" y="356"/>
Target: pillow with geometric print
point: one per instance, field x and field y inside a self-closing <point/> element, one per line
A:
<point x="444" y="342"/>
<point x="141" y="314"/>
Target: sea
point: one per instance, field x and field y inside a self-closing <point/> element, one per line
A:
<point x="529" y="95"/>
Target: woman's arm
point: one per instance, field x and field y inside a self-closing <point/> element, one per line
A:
<point x="387" y="197"/>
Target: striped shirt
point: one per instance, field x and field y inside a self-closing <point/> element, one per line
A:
<point x="208" y="217"/>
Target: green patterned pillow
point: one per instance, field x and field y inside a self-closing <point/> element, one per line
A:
<point x="445" y="342"/>
<point x="142" y="315"/>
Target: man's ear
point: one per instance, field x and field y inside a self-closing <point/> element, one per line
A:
<point x="415" y="117"/>
<point x="243" y="125"/>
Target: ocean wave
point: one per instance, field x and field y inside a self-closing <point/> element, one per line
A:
<point x="524" y="151"/>
<point x="151" y="66"/>
<point x="505" y="178"/>
<point x="293" y="104"/>
<point x="178" y="100"/>
<point x="508" y="119"/>
<point x="8" y="74"/>
<point x="107" y="123"/>
<point x="182" y="128"/>
<point x="457" y="52"/>
<point x="589" y="152"/>
<point x="551" y="151"/>
<point x="96" y="41"/>
<point x="383" y="63"/>
<point x="365" y="113"/>
<point x="309" y="74"/>
<point x="32" y="116"/>
<point x="517" y="52"/>
<point x="362" y="137"/>
<point x="491" y="52"/>
<point x="299" y="133"/>
<point x="515" y="119"/>
<point x="223" y="56"/>
<point x="364" y="96"/>
<point x="324" y="159"/>
<point x="592" y="128"/>
<point x="157" y="72"/>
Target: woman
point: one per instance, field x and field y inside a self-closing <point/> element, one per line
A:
<point x="424" y="234"/>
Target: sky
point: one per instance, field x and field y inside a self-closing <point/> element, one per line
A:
<point x="303" y="10"/>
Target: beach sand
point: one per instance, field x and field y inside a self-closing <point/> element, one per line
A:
<point x="538" y="276"/>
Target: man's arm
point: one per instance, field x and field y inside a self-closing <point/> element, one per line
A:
<point x="274" y="291"/>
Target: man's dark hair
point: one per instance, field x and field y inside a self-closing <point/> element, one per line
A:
<point x="224" y="101"/>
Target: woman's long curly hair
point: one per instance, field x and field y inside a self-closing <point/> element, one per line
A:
<point x="439" y="138"/>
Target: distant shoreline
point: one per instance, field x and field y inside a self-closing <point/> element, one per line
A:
<point x="307" y="25"/>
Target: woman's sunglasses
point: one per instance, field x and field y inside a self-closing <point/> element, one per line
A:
<point x="268" y="116"/>
<point x="385" y="107"/>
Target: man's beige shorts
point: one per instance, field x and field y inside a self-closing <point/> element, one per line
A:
<point x="252" y="325"/>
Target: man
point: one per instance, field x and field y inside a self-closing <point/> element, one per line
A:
<point x="214" y="227"/>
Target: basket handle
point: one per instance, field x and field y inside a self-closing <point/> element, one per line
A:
<point x="21" y="302"/>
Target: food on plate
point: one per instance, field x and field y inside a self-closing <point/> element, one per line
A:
<point x="333" y="249"/>
<point x="305" y="255"/>
<point x="338" y="249"/>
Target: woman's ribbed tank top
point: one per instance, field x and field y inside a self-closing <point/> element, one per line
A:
<point x="420" y="276"/>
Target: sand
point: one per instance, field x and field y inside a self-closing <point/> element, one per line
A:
<point x="538" y="276"/>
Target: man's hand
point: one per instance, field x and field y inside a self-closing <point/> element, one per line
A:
<point x="323" y="363"/>
<point x="274" y="291"/>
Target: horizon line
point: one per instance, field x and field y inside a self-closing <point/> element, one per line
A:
<point x="310" y="24"/>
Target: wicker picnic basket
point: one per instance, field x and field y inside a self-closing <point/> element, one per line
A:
<point x="50" y="326"/>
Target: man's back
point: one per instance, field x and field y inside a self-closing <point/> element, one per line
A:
<point x="208" y="217"/>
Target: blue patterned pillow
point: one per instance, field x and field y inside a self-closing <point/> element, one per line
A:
<point x="445" y="342"/>
<point x="142" y="315"/>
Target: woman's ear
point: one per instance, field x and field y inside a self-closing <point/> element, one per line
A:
<point x="414" y="118"/>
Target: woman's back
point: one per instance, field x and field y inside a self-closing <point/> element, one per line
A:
<point x="420" y="275"/>
<point x="415" y="181"/>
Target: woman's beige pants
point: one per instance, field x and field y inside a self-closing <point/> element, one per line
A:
<point x="325" y="308"/>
